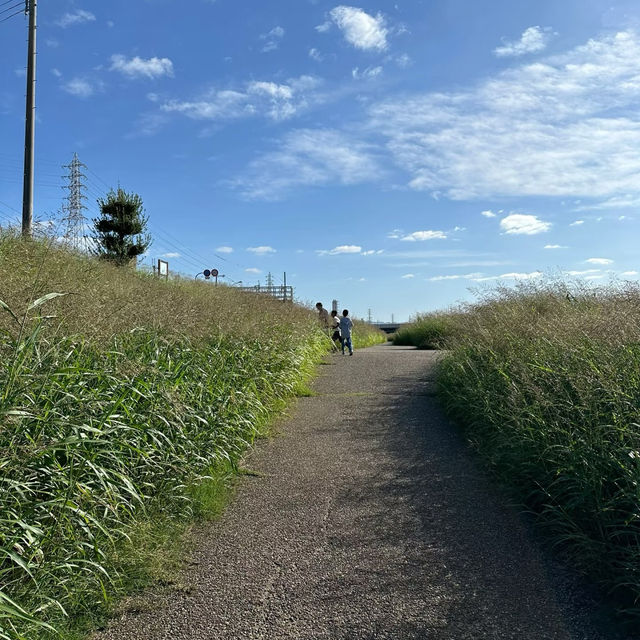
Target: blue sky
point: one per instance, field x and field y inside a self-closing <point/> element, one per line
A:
<point x="392" y="155"/>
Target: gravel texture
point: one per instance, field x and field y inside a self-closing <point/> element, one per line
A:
<point x="369" y="518"/>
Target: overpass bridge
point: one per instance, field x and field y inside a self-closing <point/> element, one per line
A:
<point x="389" y="327"/>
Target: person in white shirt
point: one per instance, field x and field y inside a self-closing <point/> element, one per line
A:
<point x="345" y="331"/>
<point x="335" y="330"/>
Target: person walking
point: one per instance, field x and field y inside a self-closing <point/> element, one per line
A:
<point x="323" y="315"/>
<point x="345" y="331"/>
<point x="335" y="330"/>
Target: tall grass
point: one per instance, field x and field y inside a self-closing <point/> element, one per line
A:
<point x="427" y="331"/>
<point x="118" y="400"/>
<point x="546" y="381"/>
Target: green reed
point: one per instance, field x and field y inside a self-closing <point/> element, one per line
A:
<point x="545" y="380"/>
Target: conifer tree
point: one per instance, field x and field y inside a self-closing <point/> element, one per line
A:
<point x="120" y="231"/>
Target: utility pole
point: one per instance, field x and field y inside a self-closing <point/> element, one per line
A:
<point x="369" y="316"/>
<point x="30" y="121"/>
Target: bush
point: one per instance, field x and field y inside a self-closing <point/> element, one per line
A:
<point x="429" y="331"/>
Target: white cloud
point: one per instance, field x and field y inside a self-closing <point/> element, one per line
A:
<point x="79" y="87"/>
<point x="419" y="236"/>
<point x="253" y="270"/>
<point x="511" y="276"/>
<point x="56" y="72"/>
<point x="533" y="39"/>
<point x="171" y="254"/>
<point x="564" y="126"/>
<point x="576" y="223"/>
<point x="625" y="201"/>
<point x="224" y="249"/>
<point x="314" y="54"/>
<point x="407" y="276"/>
<point x="343" y="248"/>
<point x="488" y="214"/>
<point x="583" y="272"/>
<point x="629" y="273"/>
<point x="272" y="38"/>
<point x="310" y="157"/>
<point x="78" y="17"/>
<point x="257" y="98"/>
<point x="261" y="251"/>
<point x="138" y="67"/>
<point x="359" y="28"/>
<point x="599" y="261"/>
<point x="523" y="224"/>
<point x="466" y="276"/>
<point x="396" y="233"/>
<point x="555" y="246"/>
<point x="366" y="74"/>
<point x="324" y="27"/>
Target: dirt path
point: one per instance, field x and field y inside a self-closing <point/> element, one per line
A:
<point x="371" y="519"/>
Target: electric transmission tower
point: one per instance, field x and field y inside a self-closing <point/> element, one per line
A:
<point x="269" y="280"/>
<point x="74" y="222"/>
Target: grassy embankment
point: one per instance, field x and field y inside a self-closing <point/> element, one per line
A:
<point x="547" y="386"/>
<point x="124" y="407"/>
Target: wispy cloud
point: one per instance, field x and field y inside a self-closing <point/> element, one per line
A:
<point x="511" y="276"/>
<point x="224" y="249"/>
<point x="599" y="261"/>
<point x="466" y="276"/>
<point x="523" y="224"/>
<point x="360" y="29"/>
<point x="77" y="17"/>
<point x="257" y="98"/>
<point x="576" y="223"/>
<point x="366" y="74"/>
<point x="555" y="246"/>
<point x="343" y="248"/>
<point x="171" y="254"/>
<point x="253" y="270"/>
<point x="261" y="251"/>
<point x="421" y="236"/>
<point x="314" y="54"/>
<point x="563" y="126"/>
<point x="533" y="40"/>
<point x="272" y="39"/>
<point x="79" y="87"/>
<point x="408" y="276"/>
<point x="310" y="157"/>
<point x="137" y="67"/>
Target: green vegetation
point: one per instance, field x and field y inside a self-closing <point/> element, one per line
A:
<point x="546" y="382"/>
<point x="120" y="231"/>
<point x="125" y="406"/>
<point x="427" y="331"/>
<point x="364" y="335"/>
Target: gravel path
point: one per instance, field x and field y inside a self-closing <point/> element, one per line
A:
<point x="369" y="519"/>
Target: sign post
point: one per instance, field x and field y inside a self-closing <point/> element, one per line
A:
<point x="163" y="268"/>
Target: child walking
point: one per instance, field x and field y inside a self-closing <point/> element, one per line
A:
<point x="345" y="331"/>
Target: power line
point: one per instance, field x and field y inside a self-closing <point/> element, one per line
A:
<point x="17" y="4"/>
<point x="11" y="16"/>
